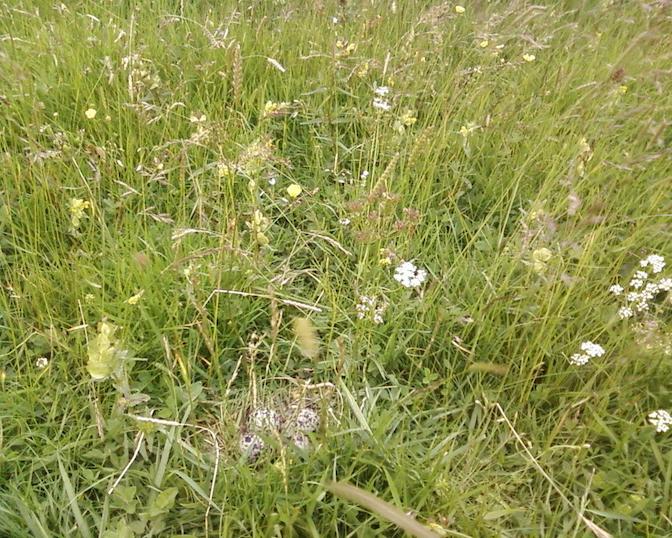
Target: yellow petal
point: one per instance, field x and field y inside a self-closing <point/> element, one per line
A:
<point x="294" y="190"/>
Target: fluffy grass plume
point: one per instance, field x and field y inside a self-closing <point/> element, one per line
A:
<point x="306" y="336"/>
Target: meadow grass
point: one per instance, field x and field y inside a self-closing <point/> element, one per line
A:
<point x="183" y="181"/>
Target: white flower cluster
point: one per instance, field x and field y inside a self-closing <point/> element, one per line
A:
<point x="370" y="307"/>
<point x="408" y="275"/>
<point x="661" y="419"/>
<point x="642" y="289"/>
<point x="379" y="101"/>
<point x="267" y="422"/>
<point x="590" y="350"/>
<point x="655" y="261"/>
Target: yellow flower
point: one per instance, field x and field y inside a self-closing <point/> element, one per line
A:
<point x="542" y="255"/>
<point x="135" y="298"/>
<point x="90" y="113"/>
<point x="262" y="239"/>
<point x="529" y="57"/>
<point x="623" y="89"/>
<point x="105" y="358"/>
<point x="363" y="70"/>
<point x="294" y="190"/>
<point x="275" y="109"/>
<point x="77" y="211"/>
<point x="408" y="118"/>
<point x="459" y="9"/>
<point x="484" y="43"/>
<point x="224" y="170"/>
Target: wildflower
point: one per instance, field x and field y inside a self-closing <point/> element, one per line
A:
<point x="639" y="279"/>
<point x="105" y="357"/>
<point x="364" y="174"/>
<point x="409" y="276"/>
<point x="386" y="257"/>
<point x="578" y="359"/>
<point x="625" y="312"/>
<point x="542" y="255"/>
<point x="77" y="211"/>
<point x="344" y="221"/>
<point x="616" y="289"/>
<point x="225" y="170"/>
<point x="661" y="419"/>
<point x="42" y="363"/>
<point x="90" y="113"/>
<point x="381" y="104"/>
<point x="381" y="91"/>
<point x="467" y="129"/>
<point x="590" y="350"/>
<point x="459" y="9"/>
<point x="198" y="119"/>
<point x="665" y="284"/>
<point x="251" y="446"/>
<point x="369" y="306"/>
<point x="408" y="118"/>
<point x="135" y="298"/>
<point x="483" y="44"/>
<point x="656" y="262"/>
<point x="294" y="190"/>
<point x="272" y="109"/>
<point x="272" y="181"/>
<point x="622" y="89"/>
<point x="529" y="57"/>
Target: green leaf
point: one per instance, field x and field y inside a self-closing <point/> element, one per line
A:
<point x="162" y="503"/>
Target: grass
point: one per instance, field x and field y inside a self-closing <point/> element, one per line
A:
<point x="524" y="163"/>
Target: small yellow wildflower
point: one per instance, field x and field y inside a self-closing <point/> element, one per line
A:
<point x="89" y="298"/>
<point x="262" y="239"/>
<point x="408" y="118"/>
<point x="363" y="70"/>
<point x="542" y="254"/>
<point x="294" y="190"/>
<point x="539" y="259"/>
<point x="483" y="44"/>
<point x="459" y="9"/>
<point x="272" y="109"/>
<point x="77" y="211"/>
<point x="467" y="129"/>
<point x="90" y="113"/>
<point x="135" y="298"/>
<point x="225" y="170"/>
<point x="529" y="57"/>
<point x="622" y="89"/>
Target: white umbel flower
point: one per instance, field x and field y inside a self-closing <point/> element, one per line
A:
<point x="616" y="289"/>
<point x="661" y="419"/>
<point x="578" y="359"/>
<point x="408" y="275"/>
<point x="625" y="312"/>
<point x="654" y="261"/>
<point x="381" y="104"/>
<point x="591" y="349"/>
